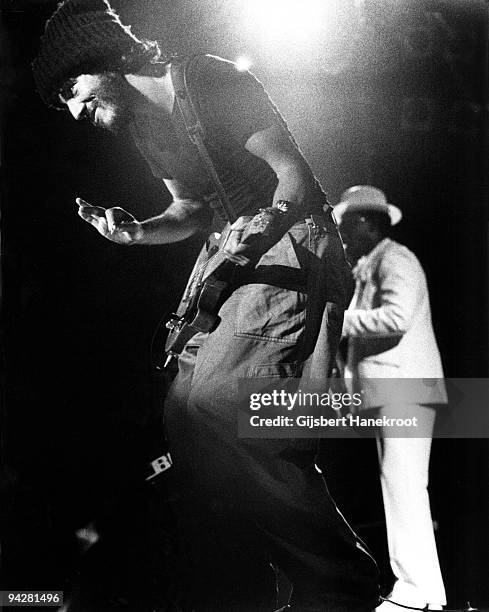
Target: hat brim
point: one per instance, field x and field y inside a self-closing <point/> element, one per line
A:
<point x="395" y="214"/>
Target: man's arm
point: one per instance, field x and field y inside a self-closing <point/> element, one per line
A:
<point x="295" y="181"/>
<point x="185" y="217"/>
<point x="188" y="215"/>
<point x="401" y="284"/>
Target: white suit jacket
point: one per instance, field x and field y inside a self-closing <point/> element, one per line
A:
<point x="390" y="332"/>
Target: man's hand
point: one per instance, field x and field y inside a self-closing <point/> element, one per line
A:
<point x="235" y="250"/>
<point x="251" y="237"/>
<point x="115" y="224"/>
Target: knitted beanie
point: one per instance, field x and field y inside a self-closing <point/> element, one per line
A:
<point x="80" y="33"/>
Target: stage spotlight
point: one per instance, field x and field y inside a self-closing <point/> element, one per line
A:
<point x="289" y="21"/>
<point x="243" y="63"/>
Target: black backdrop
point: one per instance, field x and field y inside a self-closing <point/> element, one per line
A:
<point x="405" y="113"/>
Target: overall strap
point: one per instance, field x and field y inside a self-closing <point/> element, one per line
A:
<point x="195" y="129"/>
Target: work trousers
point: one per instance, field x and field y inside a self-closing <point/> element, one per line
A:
<point x="253" y="507"/>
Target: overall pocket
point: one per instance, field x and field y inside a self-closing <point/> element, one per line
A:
<point x="274" y="310"/>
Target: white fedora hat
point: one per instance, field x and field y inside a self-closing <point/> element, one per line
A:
<point x="366" y="198"/>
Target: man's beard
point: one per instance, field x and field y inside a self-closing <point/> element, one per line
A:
<point x="114" y="102"/>
<point x="117" y="121"/>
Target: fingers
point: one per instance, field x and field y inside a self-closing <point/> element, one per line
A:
<point x="94" y="215"/>
<point x="233" y="240"/>
<point x="89" y="213"/>
<point x="236" y="259"/>
<point x="126" y="232"/>
<point x="240" y="224"/>
<point x="117" y="216"/>
<point x="82" y="202"/>
<point x="96" y="219"/>
<point x="236" y="232"/>
<point x="114" y="223"/>
<point x="234" y="249"/>
<point x="85" y="206"/>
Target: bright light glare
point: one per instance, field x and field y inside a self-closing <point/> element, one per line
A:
<point x="289" y="21"/>
<point x="243" y="63"/>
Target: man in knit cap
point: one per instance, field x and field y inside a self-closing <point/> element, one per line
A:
<point x="246" y="505"/>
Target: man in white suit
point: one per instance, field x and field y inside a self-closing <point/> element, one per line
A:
<point x="390" y="336"/>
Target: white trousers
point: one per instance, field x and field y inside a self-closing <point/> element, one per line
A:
<point x="404" y="465"/>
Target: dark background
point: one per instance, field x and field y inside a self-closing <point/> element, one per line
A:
<point x="391" y="94"/>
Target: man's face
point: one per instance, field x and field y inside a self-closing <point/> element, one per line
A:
<point x="356" y="235"/>
<point x="103" y="99"/>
